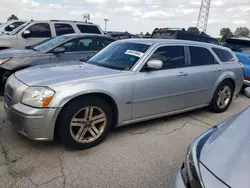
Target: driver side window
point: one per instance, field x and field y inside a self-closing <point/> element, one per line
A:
<point x="171" y="56"/>
<point x="40" y="30"/>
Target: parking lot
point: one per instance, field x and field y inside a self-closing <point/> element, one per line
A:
<point x="141" y="155"/>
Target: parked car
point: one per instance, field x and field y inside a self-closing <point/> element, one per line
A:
<point x="182" y="34"/>
<point x="121" y="35"/>
<point x="129" y="81"/>
<point x="54" y="50"/>
<point x="241" y="47"/>
<point x="219" y="158"/>
<point x="36" y="31"/>
<point x="10" y="26"/>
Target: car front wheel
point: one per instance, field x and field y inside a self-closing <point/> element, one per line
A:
<point x="85" y="122"/>
<point x="222" y="97"/>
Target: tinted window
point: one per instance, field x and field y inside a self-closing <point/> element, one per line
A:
<point x="171" y="56"/>
<point x="40" y="30"/>
<point x="62" y="29"/>
<point x="102" y="42"/>
<point x="120" y="56"/>
<point x="69" y="46"/>
<point x="92" y="44"/>
<point x="224" y="55"/>
<point x="238" y="46"/>
<point x="86" y="45"/>
<point x="201" y="56"/>
<point x="88" y="29"/>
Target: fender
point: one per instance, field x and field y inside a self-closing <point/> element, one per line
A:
<point x="62" y="97"/>
<point x="225" y="75"/>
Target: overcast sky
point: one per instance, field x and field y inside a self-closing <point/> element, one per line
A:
<point x="133" y="15"/>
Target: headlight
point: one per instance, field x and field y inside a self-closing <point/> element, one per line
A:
<point x="193" y="156"/>
<point x="38" y="96"/>
<point x="4" y="60"/>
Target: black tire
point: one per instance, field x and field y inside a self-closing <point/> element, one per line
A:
<point x="6" y="74"/>
<point x="71" y="110"/>
<point x="213" y="105"/>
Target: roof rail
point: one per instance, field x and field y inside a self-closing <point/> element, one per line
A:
<point x="70" y="21"/>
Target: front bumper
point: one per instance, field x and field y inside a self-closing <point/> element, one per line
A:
<point x="33" y="123"/>
<point x="179" y="181"/>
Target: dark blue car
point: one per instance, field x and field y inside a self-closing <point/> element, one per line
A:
<point x="241" y="47"/>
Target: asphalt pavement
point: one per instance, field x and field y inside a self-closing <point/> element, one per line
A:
<point x="144" y="155"/>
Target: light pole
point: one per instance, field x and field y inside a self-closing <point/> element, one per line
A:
<point x="106" y="21"/>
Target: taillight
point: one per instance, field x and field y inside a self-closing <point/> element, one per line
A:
<point x="247" y="78"/>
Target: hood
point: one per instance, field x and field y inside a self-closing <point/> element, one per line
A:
<point x="227" y="152"/>
<point x="67" y="72"/>
<point x="16" y="52"/>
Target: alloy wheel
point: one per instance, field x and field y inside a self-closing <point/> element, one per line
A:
<point x="224" y="96"/>
<point x="88" y="124"/>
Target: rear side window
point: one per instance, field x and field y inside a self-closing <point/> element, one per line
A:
<point x="88" y="29"/>
<point x="201" y="56"/>
<point x="40" y="30"/>
<point x="224" y="55"/>
<point x="102" y="43"/>
<point x="62" y="29"/>
<point x="171" y="56"/>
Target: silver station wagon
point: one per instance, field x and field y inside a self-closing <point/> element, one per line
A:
<point x="129" y="81"/>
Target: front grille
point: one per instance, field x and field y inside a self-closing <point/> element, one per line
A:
<point x="9" y="92"/>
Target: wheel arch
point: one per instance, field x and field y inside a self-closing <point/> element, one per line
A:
<point x="110" y="100"/>
<point x="230" y="76"/>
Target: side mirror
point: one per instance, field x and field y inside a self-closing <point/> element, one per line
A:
<point x="247" y="92"/>
<point x="59" y="50"/>
<point x="26" y="34"/>
<point x="154" y="64"/>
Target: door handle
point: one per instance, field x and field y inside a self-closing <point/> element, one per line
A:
<point x="182" y="74"/>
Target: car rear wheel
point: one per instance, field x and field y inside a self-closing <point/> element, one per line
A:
<point x="85" y="122"/>
<point x="222" y="97"/>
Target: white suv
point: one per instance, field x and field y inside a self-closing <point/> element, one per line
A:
<point x="34" y="32"/>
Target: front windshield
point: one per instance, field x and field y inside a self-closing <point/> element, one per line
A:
<point x="120" y="56"/>
<point x="15" y="31"/>
<point x="50" y="43"/>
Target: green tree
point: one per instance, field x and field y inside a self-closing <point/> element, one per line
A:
<point x="242" y="31"/>
<point x="225" y="33"/>
<point x="141" y="33"/>
<point x="147" y="34"/>
<point x="12" y="17"/>
<point x="193" y="29"/>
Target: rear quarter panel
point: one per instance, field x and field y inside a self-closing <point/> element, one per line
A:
<point x="232" y="70"/>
